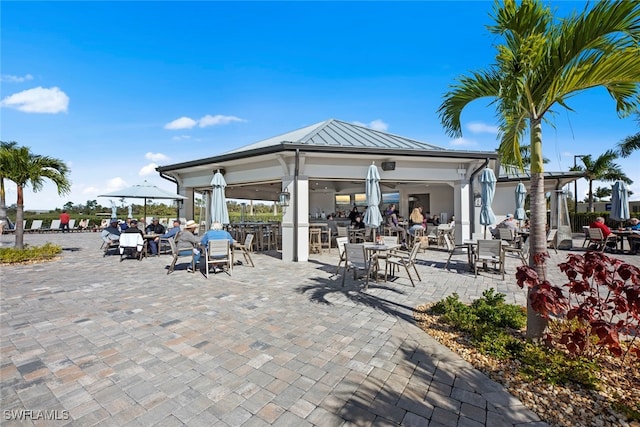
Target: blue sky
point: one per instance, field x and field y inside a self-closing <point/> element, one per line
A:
<point x="116" y="88"/>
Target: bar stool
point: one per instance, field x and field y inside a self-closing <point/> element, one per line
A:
<point x="315" y="245"/>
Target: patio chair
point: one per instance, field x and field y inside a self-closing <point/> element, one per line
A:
<point x="395" y="259"/>
<point x="509" y="235"/>
<point x="218" y="253"/>
<point x="177" y="254"/>
<point x="587" y="238"/>
<point x="432" y="234"/>
<point x="454" y="249"/>
<point x="36" y="225"/>
<point x="490" y="251"/>
<point x="72" y="225"/>
<point x="132" y="244"/>
<point x="55" y="226"/>
<point x="597" y="238"/>
<point x="340" y="242"/>
<point x="522" y="252"/>
<point x="245" y="248"/>
<point x="356" y="259"/>
<point x="107" y="246"/>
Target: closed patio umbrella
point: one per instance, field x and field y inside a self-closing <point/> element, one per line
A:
<point x="619" y="202"/>
<point x="521" y="193"/>
<point x="219" y="211"/>
<point x="372" y="217"/>
<point x="487" y="191"/>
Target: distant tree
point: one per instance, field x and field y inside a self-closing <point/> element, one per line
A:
<point x="24" y="168"/>
<point x="602" y="168"/>
<point x="5" y="148"/>
<point x="602" y="193"/>
<point x="68" y="206"/>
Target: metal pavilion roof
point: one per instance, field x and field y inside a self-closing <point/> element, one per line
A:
<point x="336" y="133"/>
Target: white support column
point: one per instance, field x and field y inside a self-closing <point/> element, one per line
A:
<point x="302" y="202"/>
<point x="461" y="206"/>
<point x="186" y="211"/>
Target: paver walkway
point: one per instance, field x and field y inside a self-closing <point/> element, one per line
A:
<point x="103" y="342"/>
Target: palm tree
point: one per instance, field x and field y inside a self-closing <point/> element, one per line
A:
<point x="630" y="143"/>
<point x="602" y="193"/>
<point x="5" y="148"/>
<point x="541" y="63"/>
<point x="25" y="168"/>
<point x="602" y="169"/>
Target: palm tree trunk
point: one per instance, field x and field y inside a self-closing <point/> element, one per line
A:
<point x="19" y="221"/>
<point x="3" y="201"/>
<point x="538" y="238"/>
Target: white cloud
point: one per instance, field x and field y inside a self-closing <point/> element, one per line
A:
<point x="181" y="123"/>
<point x="374" y="124"/>
<point x="91" y="190"/>
<point x="115" y="184"/>
<point x="38" y="100"/>
<point x="206" y="121"/>
<point x="181" y="137"/>
<point x="479" y="127"/>
<point x="218" y="119"/>
<point x="462" y="142"/>
<point x="147" y="170"/>
<point x="156" y="157"/>
<point x="15" y="79"/>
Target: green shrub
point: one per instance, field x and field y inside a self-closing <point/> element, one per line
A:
<point x="556" y="367"/>
<point x="29" y="253"/>
<point x="498" y="344"/>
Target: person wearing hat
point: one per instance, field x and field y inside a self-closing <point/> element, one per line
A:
<point x="154" y="228"/>
<point x="133" y="228"/>
<point x="507" y="223"/>
<point x="187" y="242"/>
<point x="111" y="233"/>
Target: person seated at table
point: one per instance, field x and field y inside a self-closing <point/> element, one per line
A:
<point x="606" y="231"/>
<point x="125" y="224"/>
<point x="171" y="232"/>
<point x="353" y="214"/>
<point x="133" y="228"/>
<point x="154" y="228"/>
<point x="599" y="223"/>
<point x="111" y="233"/>
<point x="333" y="225"/>
<point x="392" y="223"/>
<point x="526" y="225"/>
<point x="216" y="233"/>
<point x="507" y="223"/>
<point x="416" y="221"/>
<point x="358" y="224"/>
<point x="187" y="242"/>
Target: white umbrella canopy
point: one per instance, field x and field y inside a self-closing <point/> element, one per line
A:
<point x="144" y="191"/>
<point x="219" y="211"/>
<point x="487" y="181"/>
<point x="619" y="202"/>
<point x="372" y="217"/>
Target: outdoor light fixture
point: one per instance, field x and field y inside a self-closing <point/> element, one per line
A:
<point x="388" y="166"/>
<point x="477" y="198"/>
<point x="283" y="198"/>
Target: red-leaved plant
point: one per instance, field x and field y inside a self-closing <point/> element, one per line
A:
<point x="603" y="302"/>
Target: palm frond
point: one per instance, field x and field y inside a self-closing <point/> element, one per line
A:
<point x="629" y="145"/>
<point x="481" y="84"/>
